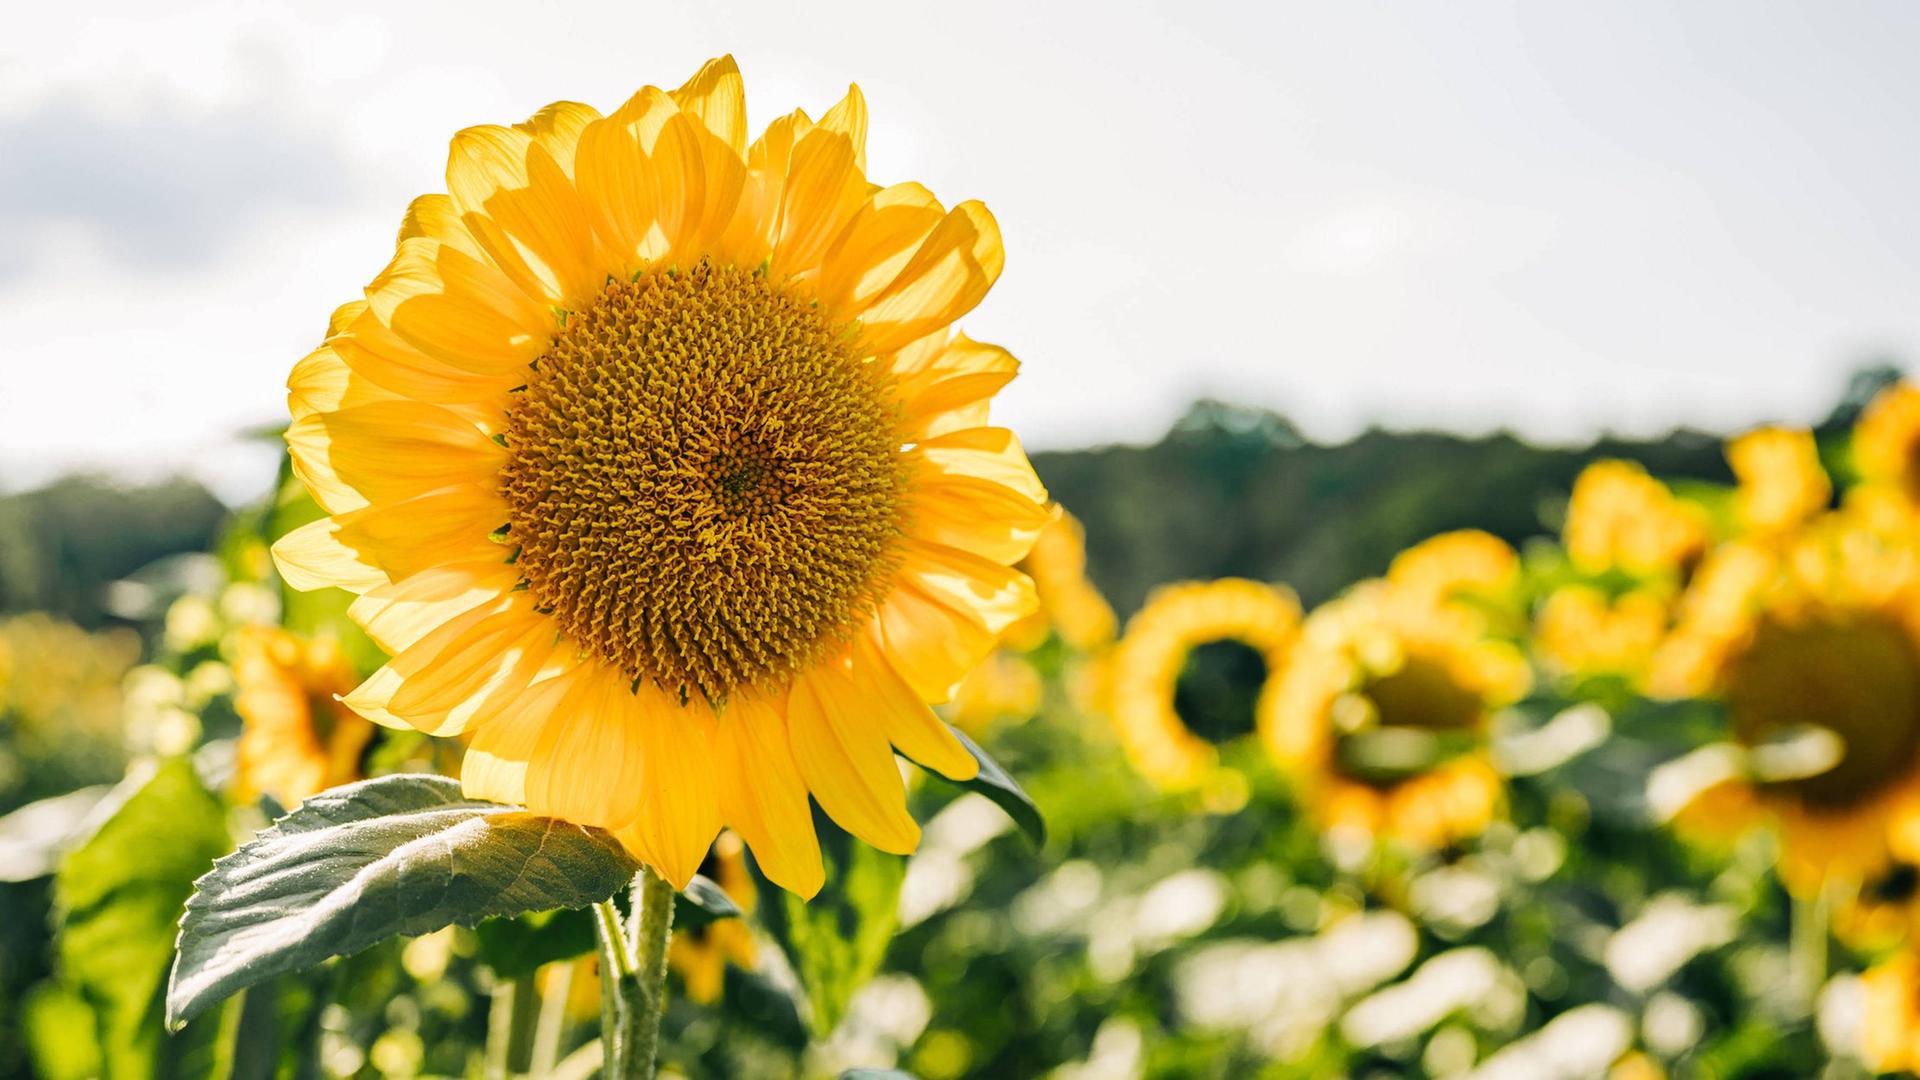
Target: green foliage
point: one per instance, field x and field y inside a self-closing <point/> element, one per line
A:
<point x="997" y="784"/>
<point x="61" y="544"/>
<point x="398" y="855"/>
<point x="836" y="940"/>
<point x="520" y="944"/>
<point x="118" y="897"/>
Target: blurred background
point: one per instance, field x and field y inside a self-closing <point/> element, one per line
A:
<point x="1295" y="286"/>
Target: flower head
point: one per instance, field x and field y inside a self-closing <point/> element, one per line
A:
<point x="661" y="472"/>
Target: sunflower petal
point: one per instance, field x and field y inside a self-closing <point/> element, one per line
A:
<point x="762" y="796"/>
<point x="910" y="725"/>
<point x="848" y="765"/>
<point x="312" y="557"/>
<point x="590" y="764"/>
<point x="948" y="275"/>
<point x="680" y="810"/>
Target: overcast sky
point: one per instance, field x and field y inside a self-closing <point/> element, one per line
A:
<point x="1556" y="217"/>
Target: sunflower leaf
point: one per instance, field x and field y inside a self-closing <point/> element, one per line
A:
<point x="836" y="940"/>
<point x="997" y="784"/>
<point x="703" y="901"/>
<point x="398" y="855"/>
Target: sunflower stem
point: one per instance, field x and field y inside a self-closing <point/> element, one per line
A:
<point x="646" y="998"/>
<point x="616" y="970"/>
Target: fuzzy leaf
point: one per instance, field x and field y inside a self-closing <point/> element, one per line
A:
<point x="398" y="855"/>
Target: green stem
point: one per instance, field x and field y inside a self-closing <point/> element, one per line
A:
<point x="552" y="1026"/>
<point x="647" y="998"/>
<point x="616" y="968"/>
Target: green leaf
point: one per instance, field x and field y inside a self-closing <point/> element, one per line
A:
<point x="33" y="838"/>
<point x="397" y="855"/>
<point x="997" y="784"/>
<point x="56" y="1022"/>
<point x="518" y="946"/>
<point x="836" y="940"/>
<point x="703" y="901"/>
<point x="118" y="898"/>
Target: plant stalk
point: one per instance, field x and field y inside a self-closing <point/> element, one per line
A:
<point x="633" y="981"/>
<point x="647" y="1000"/>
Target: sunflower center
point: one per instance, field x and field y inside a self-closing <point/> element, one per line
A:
<point x="1216" y="691"/>
<point x="704" y="480"/>
<point x="1858" y="678"/>
<point x="1422" y="694"/>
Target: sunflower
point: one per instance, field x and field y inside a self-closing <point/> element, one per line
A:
<point x="701" y="955"/>
<point x="1071" y="606"/>
<point x="1580" y="631"/>
<point x="1382" y="713"/>
<point x="1145" y="667"/>
<point x="1815" y="649"/>
<point x="661" y="473"/>
<point x="299" y="739"/>
<point x="1621" y="519"/>
<point x="1782" y="485"/>
<point x="1886" y="442"/>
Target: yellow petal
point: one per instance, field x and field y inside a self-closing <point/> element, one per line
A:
<point x="589" y="766"/>
<point x="495" y="766"/>
<point x="756" y="218"/>
<point x="372" y="697"/>
<point x="847" y="764"/>
<point x="495" y="659"/>
<point x="312" y="557"/>
<point x="977" y="516"/>
<point x="826" y="184"/>
<point x="762" y="796"/>
<point x="992" y="454"/>
<point x="520" y="204"/>
<point x="910" y="725"/>
<point x="388" y="451"/>
<point x="981" y="590"/>
<point x="948" y="275"/>
<point x="679" y="808"/>
<point x="876" y="244"/>
<point x="446" y="525"/>
<point x="322" y="382"/>
<point x="557" y="129"/>
<point x="374" y="351"/>
<point x="398" y="615"/>
<point x="459" y="309"/>
<point x="950" y="391"/>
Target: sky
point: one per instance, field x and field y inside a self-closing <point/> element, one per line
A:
<point x="1553" y="217"/>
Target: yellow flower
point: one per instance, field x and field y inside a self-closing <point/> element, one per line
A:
<point x="1815" y="648"/>
<point x="1145" y="667"/>
<point x="1454" y="567"/>
<point x="1782" y="485"/>
<point x="1890" y="1021"/>
<point x="58" y="681"/>
<point x="298" y="739"/>
<point x="1886" y="442"/>
<point x="1619" y="518"/>
<point x="1382" y="712"/>
<point x="701" y="956"/>
<point x="661" y="473"/>
<point x="1581" y="631"/>
<point x="1070" y="605"/>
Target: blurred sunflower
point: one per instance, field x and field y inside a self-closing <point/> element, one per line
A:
<point x="1619" y="519"/>
<point x="661" y="474"/>
<point x="1382" y="714"/>
<point x="1782" y="485"/>
<point x="298" y="738"/>
<point x="1886" y="442"/>
<point x="1581" y="631"/>
<point x="1631" y="544"/>
<point x="1070" y="604"/>
<point x="701" y="956"/>
<point x="1815" y="648"/>
<point x="1145" y="669"/>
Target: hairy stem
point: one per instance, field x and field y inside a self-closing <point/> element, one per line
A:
<point x="647" y="998"/>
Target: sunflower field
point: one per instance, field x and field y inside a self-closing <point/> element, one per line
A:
<point x="653" y="661"/>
